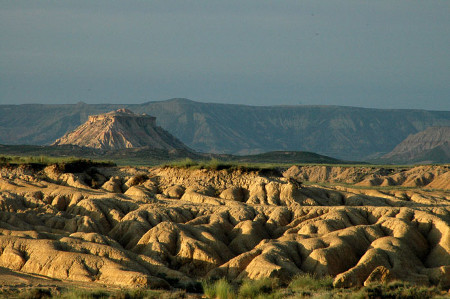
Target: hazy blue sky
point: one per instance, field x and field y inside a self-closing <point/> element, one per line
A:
<point x="386" y="54"/>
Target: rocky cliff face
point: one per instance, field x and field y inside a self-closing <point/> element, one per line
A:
<point x="119" y="130"/>
<point x="430" y="145"/>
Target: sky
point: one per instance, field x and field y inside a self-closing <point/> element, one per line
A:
<point x="375" y="54"/>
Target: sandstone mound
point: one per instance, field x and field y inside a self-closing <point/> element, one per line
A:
<point x="119" y="130"/>
<point x="168" y="227"/>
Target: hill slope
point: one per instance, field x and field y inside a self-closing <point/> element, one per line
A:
<point x="430" y="145"/>
<point x="343" y="132"/>
<point x="119" y="130"/>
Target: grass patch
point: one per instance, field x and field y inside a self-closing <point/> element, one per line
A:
<point x="261" y="288"/>
<point x="215" y="164"/>
<point x="301" y="286"/>
<point x="117" y="294"/>
<point x="86" y="294"/>
<point x="308" y="282"/>
<point x="64" y="164"/>
<point x="220" y="289"/>
<point x="33" y="293"/>
<point x="400" y="289"/>
<point x="35" y="159"/>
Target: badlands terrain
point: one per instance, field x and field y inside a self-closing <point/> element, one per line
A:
<point x="171" y="227"/>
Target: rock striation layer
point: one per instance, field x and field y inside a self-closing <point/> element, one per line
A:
<point x="119" y="130"/>
<point x="430" y="145"/>
<point x="170" y="227"/>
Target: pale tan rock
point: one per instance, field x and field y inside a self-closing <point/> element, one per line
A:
<point x="246" y="235"/>
<point x="12" y="258"/>
<point x="273" y="193"/>
<point x="140" y="194"/>
<point x="113" y="185"/>
<point x="380" y="274"/>
<point x="175" y="191"/>
<point x="136" y="180"/>
<point x="233" y="193"/>
<point x="151" y="186"/>
<point x="60" y="202"/>
<point x="257" y="194"/>
<point x="207" y="190"/>
<point x="200" y="198"/>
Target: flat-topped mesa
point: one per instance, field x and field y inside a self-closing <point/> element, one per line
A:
<point x="121" y="129"/>
<point x="124" y="113"/>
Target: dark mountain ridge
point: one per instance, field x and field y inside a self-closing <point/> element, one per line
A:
<point x="349" y="133"/>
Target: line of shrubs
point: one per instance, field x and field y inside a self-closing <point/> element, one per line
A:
<point x="302" y="286"/>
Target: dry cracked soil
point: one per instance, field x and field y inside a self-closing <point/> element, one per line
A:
<point x="170" y="227"/>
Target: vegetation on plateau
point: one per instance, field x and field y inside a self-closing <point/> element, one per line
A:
<point x="67" y="164"/>
<point x="215" y="164"/>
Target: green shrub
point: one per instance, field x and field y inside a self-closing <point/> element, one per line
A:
<point x="309" y="282"/>
<point x="256" y="288"/>
<point x="35" y="293"/>
<point x="136" y="294"/>
<point x="214" y="164"/>
<point x="67" y="164"/>
<point x="220" y="289"/>
<point x="186" y="163"/>
<point x="399" y="289"/>
<point x="86" y="294"/>
<point x="113" y="294"/>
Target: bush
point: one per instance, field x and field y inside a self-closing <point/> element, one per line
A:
<point x="309" y="282"/>
<point x="255" y="288"/>
<point x="36" y="293"/>
<point x="80" y="165"/>
<point x="220" y="289"/>
<point x="214" y="164"/>
<point x="113" y="294"/>
<point x="136" y="294"/>
<point x="138" y="179"/>
<point x="64" y="164"/>
<point x="399" y="289"/>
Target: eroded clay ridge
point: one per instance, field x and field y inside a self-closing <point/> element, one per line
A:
<point x="427" y="176"/>
<point x="164" y="227"/>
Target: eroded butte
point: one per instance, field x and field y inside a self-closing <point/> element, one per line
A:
<point x="163" y="227"/>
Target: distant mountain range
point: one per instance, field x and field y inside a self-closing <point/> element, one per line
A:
<point x="344" y="132"/>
